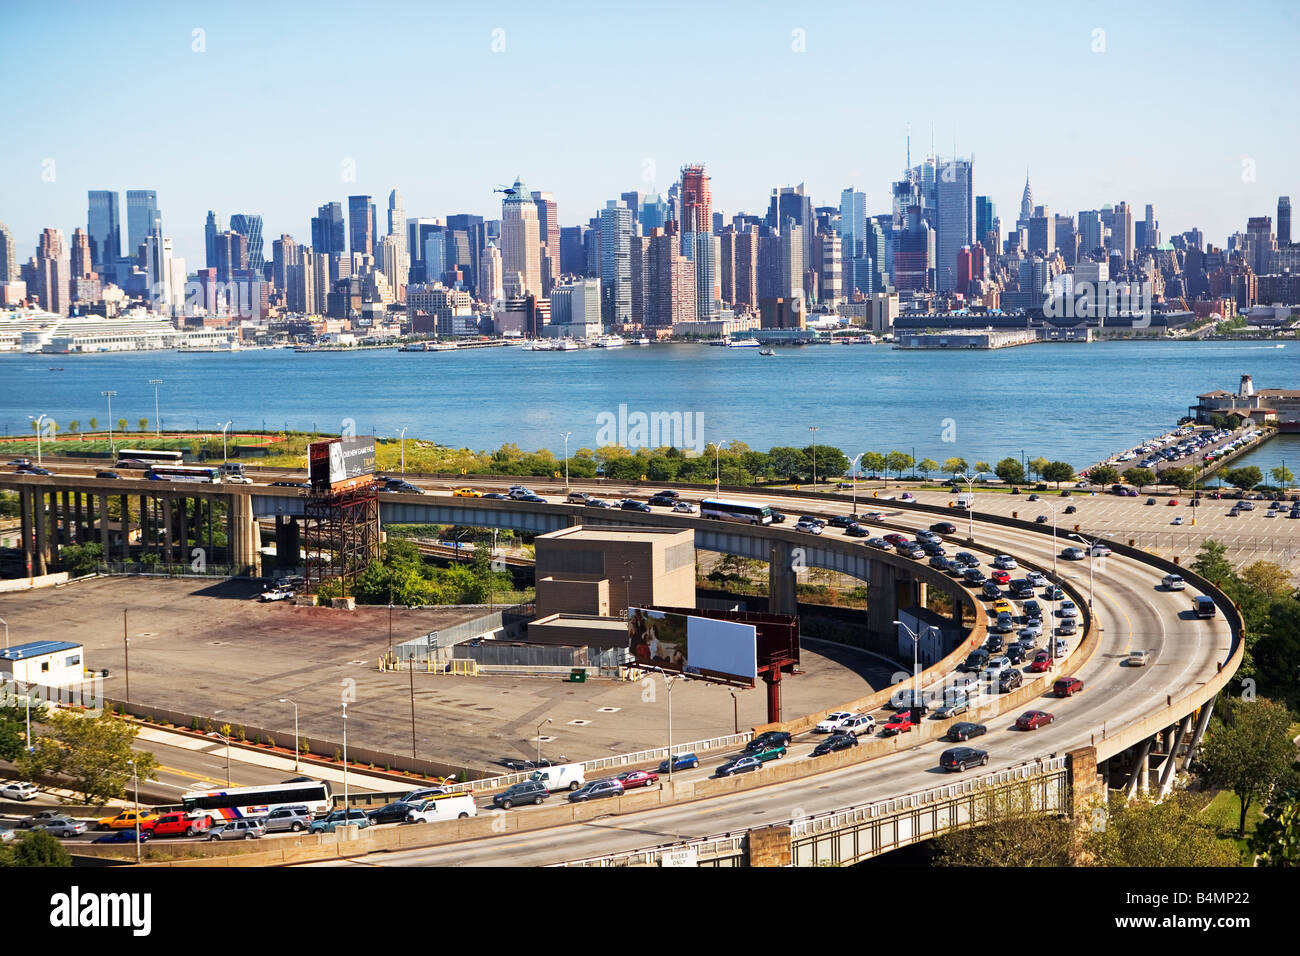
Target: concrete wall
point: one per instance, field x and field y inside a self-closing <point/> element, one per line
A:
<point x="40" y="581"/>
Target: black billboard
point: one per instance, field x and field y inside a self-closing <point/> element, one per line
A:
<point x="341" y="463"/>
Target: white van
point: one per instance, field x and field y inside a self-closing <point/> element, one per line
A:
<point x="449" y="806"/>
<point x="567" y="776"/>
<point x="965" y="500"/>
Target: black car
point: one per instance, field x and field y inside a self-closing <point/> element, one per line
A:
<point x="834" y="743"/>
<point x="107" y="474"/>
<point x="665" y="494"/>
<point x="813" y="519"/>
<point x="778" y="517"/>
<point x="954" y="567"/>
<point x="968" y="559"/>
<point x="1015" y="653"/>
<point x="630" y="504"/>
<point x="966" y="730"/>
<point x="538" y="499"/>
<point x="991" y="590"/>
<point x="663" y="501"/>
<point x="959" y="758"/>
<point x="880" y="543"/>
<point x="993" y="643"/>
<point x="932" y="549"/>
<point x="739" y="765"/>
<point x="392" y="813"/>
<point x="939" y="562"/>
<point x="1020" y="588"/>
<point x="1032" y="609"/>
<point x="840" y="521"/>
<point x="1010" y="680"/>
<point x="943" y="527"/>
<point x="1070" y="509"/>
<point x="528" y="791"/>
<point x="497" y="496"/>
<point x="765" y="741"/>
<point x="598" y="503"/>
<point x="974" y="578"/>
<point x="856" y="530"/>
<point x="975" y="661"/>
<point x="33" y="470"/>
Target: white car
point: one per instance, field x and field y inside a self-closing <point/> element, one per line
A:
<point x="685" y="508"/>
<point x="1036" y="578"/>
<point x="236" y="480"/>
<point x="1173" y="582"/>
<point x="996" y="665"/>
<point x="1062" y="647"/>
<point x="275" y="594"/>
<point x="808" y="527"/>
<point x="858" y="724"/>
<point x="1005" y="562"/>
<point x="1099" y="550"/>
<point x="1068" y="609"/>
<point x="832" y="722"/>
<point x="19" y="790"/>
<point x="1177" y="520"/>
<point x="1031" y="631"/>
<point x="1137" y="658"/>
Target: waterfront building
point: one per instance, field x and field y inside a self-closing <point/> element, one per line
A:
<point x="1266" y="405"/>
<point x="575" y="310"/>
<point x="80" y="255"/>
<point x="53" y="272"/>
<point x="8" y="255"/>
<point x="490" y="284"/>
<point x="548" y="231"/>
<point x="616" y="263"/>
<point x="697" y="237"/>
<point x="104" y="227"/>
<point x="521" y="252"/>
<point x="671" y="296"/>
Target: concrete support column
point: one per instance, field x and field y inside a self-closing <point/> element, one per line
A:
<point x="288" y="547"/>
<point x="103" y="527"/>
<point x="1202" y="722"/>
<point x="183" y="532"/>
<point x="144" y="522"/>
<point x="1170" y="769"/>
<point x="206" y="509"/>
<point x="168" y="539"/>
<point x="41" y="521"/>
<point x="53" y="529"/>
<point x="78" y="517"/>
<point x="27" y="528"/>
<point x="246" y="535"/>
<point x="922" y="592"/>
<point x="125" y="503"/>
<point x="882" y="600"/>
<point x="1138" y="780"/>
<point x="782" y="598"/>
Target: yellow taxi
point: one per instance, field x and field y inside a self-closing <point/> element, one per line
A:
<point x="126" y="820"/>
<point x="466" y="493"/>
<point x="1002" y="604"/>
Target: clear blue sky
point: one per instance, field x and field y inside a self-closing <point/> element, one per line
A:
<point x="585" y="98"/>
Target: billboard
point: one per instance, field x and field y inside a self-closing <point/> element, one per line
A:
<point x="339" y="464"/>
<point x="697" y="646"/>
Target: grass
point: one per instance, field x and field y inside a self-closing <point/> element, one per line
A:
<point x="99" y="442"/>
<point x="1224" y="811"/>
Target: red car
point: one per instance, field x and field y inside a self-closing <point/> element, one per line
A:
<point x="900" y="723"/>
<point x="637" y="778"/>
<point x="179" y="824"/>
<point x="1172" y="502"/>
<point x="896" y="539"/>
<point x="1033" y="719"/>
<point x="1001" y="577"/>
<point x="1067" y="686"/>
<point x="1042" y="662"/>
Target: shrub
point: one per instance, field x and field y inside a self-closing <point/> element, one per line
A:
<point x="240" y="735"/>
<point x="194" y="723"/>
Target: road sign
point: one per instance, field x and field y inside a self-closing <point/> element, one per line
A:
<point x="685" y="857"/>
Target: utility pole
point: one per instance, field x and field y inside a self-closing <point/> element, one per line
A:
<point x="126" y="649"/>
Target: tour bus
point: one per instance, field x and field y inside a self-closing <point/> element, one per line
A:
<point x="239" y="802"/>
<point x="744" y="511"/>
<point x="181" y="473"/>
<point x="146" y="457"/>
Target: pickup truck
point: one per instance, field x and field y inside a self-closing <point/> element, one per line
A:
<point x="181" y="824"/>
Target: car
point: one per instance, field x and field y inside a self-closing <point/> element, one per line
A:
<point x="573" y="497"/>
<point x="1241" y="505"/>
<point x="1172" y="502"/>
<point x="496" y="496"/>
<point x="400" y="486"/>
<point x="953" y="567"/>
<point x="991" y="590"/>
<point x="107" y="474"/>
<point x="808" y="527"/>
<point x="959" y="758"/>
<point x="19" y="790"/>
<point x="1041" y="519"/>
<point x="234" y="480"/>
<point x="631" y="504"/>
<point x="631" y="779"/>
<point x="1016" y="653"/>
<point x="1042" y="662"/>
<point x="974" y="578"/>
<point x="833" y="743"/>
<point x="993" y="643"/>
<point x="966" y="730"/>
<point x="928" y="537"/>
<point x="1099" y="550"/>
<point x="1032" y="498"/>
<point x="599" y="503"/>
<point x="41" y="816"/>
<point x="680" y="762"/>
<point x="966" y="558"/>
<point x="336" y="818"/>
<point x="1178" y="519"/>
<point x="1071" y="509"/>
<point x="1005" y="562"/>
<point x="1033" y="719"/>
<point x="996" y="665"/>
<point x="1000" y="577"/>
<point x="527" y="791"/>
<point x="1068" y="609"/>
<point x="880" y="543"/>
<point x="127" y="818"/>
<point x="907" y="496"/>
<point x="813" y="519"/>
<point x="538" y="499"/>
<point x="178" y="823"/>
<point x="932" y="549"/>
<point x="1136" y="659"/>
<point x="1073" y="554"/>
<point x="838" y="521"/>
<point x="33" y="470"/>
<point x="844" y="486"/>
<point x="910" y="550"/>
<point x="1065" y="493"/>
<point x="21" y="462"/>
<point x="1031" y="632"/>
<point x="895" y="538"/>
<point x="60" y="826"/>
<point x="275" y="594"/>
<point x="1009" y="680"/>
<point x="1053" y="592"/>
<point x="1021" y="588"/>
<point x="1004" y="624"/>
<point x="900" y="723"/>
<point x="952" y="709"/>
<point x="123" y="836"/>
<point x="778" y="517"/>
<point x="597" y="790"/>
<point x="975" y="661"/>
<point x="468" y="492"/>
<point x="1003" y="606"/>
<point x="1067" y="686"/>
<point x="662" y="501"/>
<point x="396" y="812"/>
<point x="771" y="738"/>
<point x="250" y="828"/>
<point x="738" y="765"/>
<point x="858" y="725"/>
<point x="685" y="508"/>
<point x="1173" y="582"/>
<point x="943" y="527"/>
<point x="856" y="530"/>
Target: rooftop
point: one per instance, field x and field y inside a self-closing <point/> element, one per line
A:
<point x="35" y="649"/>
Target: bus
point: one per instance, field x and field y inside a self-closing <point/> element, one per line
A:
<point x="239" y="802"/>
<point x="145" y="457"/>
<point x="181" y="473"/>
<point x="744" y="511"/>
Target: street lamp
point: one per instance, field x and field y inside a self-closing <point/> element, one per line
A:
<point x="223" y="440"/>
<point x="814" y="429"/>
<point x="402" y="439"/>
<point x="6" y="624"/>
<point x="1091" y="547"/>
<point x="916" y="666"/>
<point x="296" y="748"/>
<point x="157" y="425"/>
<point x="565" y="436"/>
<point x="970" y="508"/>
<point x="39" y="459"/>
<point x="538" y="738"/>
<point x="717" y="465"/>
<point x="345" y="762"/>
<point x="853" y="473"/>
<point x="668" y="681"/>
<point x="111" y="450"/>
<point x="217" y="733"/>
<point x="1048" y="502"/>
<point x="135" y="777"/>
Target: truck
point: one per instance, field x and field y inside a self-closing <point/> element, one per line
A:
<point x="965" y="501"/>
<point x="447" y="806"/>
<point x="566" y="776"/>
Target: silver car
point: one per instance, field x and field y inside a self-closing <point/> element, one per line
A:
<point x="296" y="819"/>
<point x="61" y="827"/>
<point x="251" y="829"/>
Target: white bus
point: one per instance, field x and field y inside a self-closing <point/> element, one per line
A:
<point x="744" y="511"/>
<point x="146" y="457"/>
<point x="181" y="473"/>
<point x="239" y="802"/>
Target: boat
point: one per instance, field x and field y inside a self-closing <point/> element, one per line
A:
<point x="767" y="351"/>
<point x="609" y="342"/>
<point x="742" y="343"/>
<point x="567" y="345"/>
<point x="641" y="340"/>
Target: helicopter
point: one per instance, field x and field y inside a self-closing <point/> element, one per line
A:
<point x="501" y="188"/>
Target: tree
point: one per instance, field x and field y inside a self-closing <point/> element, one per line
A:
<point x="1277" y="836"/>
<point x="983" y="466"/>
<point x="830" y="460"/>
<point x="1268" y="578"/>
<point x="1036" y="465"/>
<point x="1211" y="562"/>
<point x="1180" y="478"/>
<point x="1244" y="478"/>
<point x="1010" y="470"/>
<point x="1013" y="834"/>
<point x="790" y="463"/>
<point x="121" y="424"/>
<point x="874" y="462"/>
<point x="898" y="462"/>
<point x="1140" y="477"/>
<point x="928" y="465"/>
<point x="36" y="848"/>
<point x="955" y="466"/>
<point x="1282" y="476"/>
<point x="81" y="559"/>
<point x="1057" y="471"/>
<point x="94" y="424"/>
<point x="13" y="728"/>
<point x="1248" y="750"/>
<point x="36" y="428"/>
<point x="1143" y="832"/>
<point x="1103" y="475"/>
<point x="144" y="424"/>
<point x="93" y="751"/>
<point x="73" y="426"/>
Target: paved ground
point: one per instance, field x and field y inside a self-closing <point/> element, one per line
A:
<point x="208" y="648"/>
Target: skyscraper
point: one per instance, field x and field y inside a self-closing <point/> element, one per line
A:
<point x="1122" y="231"/>
<point x="1283" y="220"/>
<point x="955" y="201"/>
<point x="521" y="250"/>
<point x="52" y="272"/>
<point x="697" y="238"/>
<point x="327" y="230"/>
<point x="8" y="256"/>
<point x="475" y="231"/>
<point x="285" y="254"/>
<point x="985" y="212"/>
<point x="489" y="274"/>
<point x="616" y="263"/>
<point x="1026" y="202"/>
<point x="396" y="217"/>
<point x="211" y="229"/>
<point x="853" y="220"/>
<point x="250" y="227"/>
<point x="793" y="202"/>
<point x="142" y="217"/>
<point x="1042" y="231"/>
<point x="670" y="281"/>
<point x="80" y="254"/>
<point x="361" y="221"/>
<point x="104" y="227"/>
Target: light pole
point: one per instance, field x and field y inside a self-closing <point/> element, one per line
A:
<point x="970" y="508"/>
<point x="668" y="681"/>
<point x="402" y="439"/>
<point x="345" y="762"/>
<point x="1048" y="502"/>
<point x="157" y="425"/>
<point x="223" y="439"/>
<point x="538" y="739"/>
<point x="111" y="450"/>
<point x="135" y="777"/>
<point x="916" y="667"/>
<point x="717" y="465"/>
<point x="735" y="712"/>
<point x="565" y="436"/>
<point x="853" y="474"/>
<point x="39" y="460"/>
<point x="1091" y="546"/>
<point x="6" y="624"/>
<point x="296" y="748"/>
<point x="814" y="429"/>
<point x="218" y="733"/>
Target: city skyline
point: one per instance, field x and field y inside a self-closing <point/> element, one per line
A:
<point x="287" y="169"/>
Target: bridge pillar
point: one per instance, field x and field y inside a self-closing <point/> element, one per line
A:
<point x="245" y="535"/>
<point x="41" y="521"/>
<point x="26" y="526"/>
<point x="782" y="598"/>
<point x="882" y="600"/>
<point x="183" y="528"/>
<point x="288" y="546"/>
<point x="769" y="846"/>
<point x="124" y="503"/>
<point x="1202" y="722"/>
<point x="1086" y="784"/>
<point x="52" y="515"/>
<point x="168" y="539"/>
<point x="1170" y="770"/>
<point x="103" y="525"/>
<point x="1138" y="779"/>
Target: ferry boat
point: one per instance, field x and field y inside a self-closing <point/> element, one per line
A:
<point x="428" y="347"/>
<point x="641" y="340"/>
<point x="609" y="342"/>
<point x="742" y="343"/>
<point x="567" y="345"/>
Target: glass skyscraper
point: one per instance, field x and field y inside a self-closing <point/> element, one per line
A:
<point x="142" y="217"/>
<point x="250" y="227"/>
<point x="104" y="227"/>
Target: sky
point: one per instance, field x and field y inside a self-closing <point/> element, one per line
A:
<point x="276" y="108"/>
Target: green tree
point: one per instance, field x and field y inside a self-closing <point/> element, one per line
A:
<point x="1211" y="562"/>
<point x="35" y="427"/>
<point x="13" y="728"/>
<point x="1103" y="475"/>
<point x="1010" y="470"/>
<point x="1244" y="478"/>
<point x="144" y="424"/>
<point x="898" y="462"/>
<point x="1269" y="579"/>
<point x="790" y="463"/>
<point x="1180" y="478"/>
<point x="94" y="424"/>
<point x="1282" y="476"/>
<point x="955" y="466"/>
<point x="1249" y="750"/>
<point x="928" y="465"/>
<point x="1036" y="465"/>
<point x="1277" y="835"/>
<point x="1057" y="471"/>
<point x="874" y="462"/>
<point x="1140" y="477"/>
<point x="81" y="559"/>
<point x="73" y="426"/>
<point x="984" y="467"/>
<point x="93" y="751"/>
<point x="1144" y="832"/>
<point x="121" y="424"/>
<point x="830" y="460"/>
<point x="35" y="848"/>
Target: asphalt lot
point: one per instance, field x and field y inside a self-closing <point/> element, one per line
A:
<point x="210" y="648"/>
